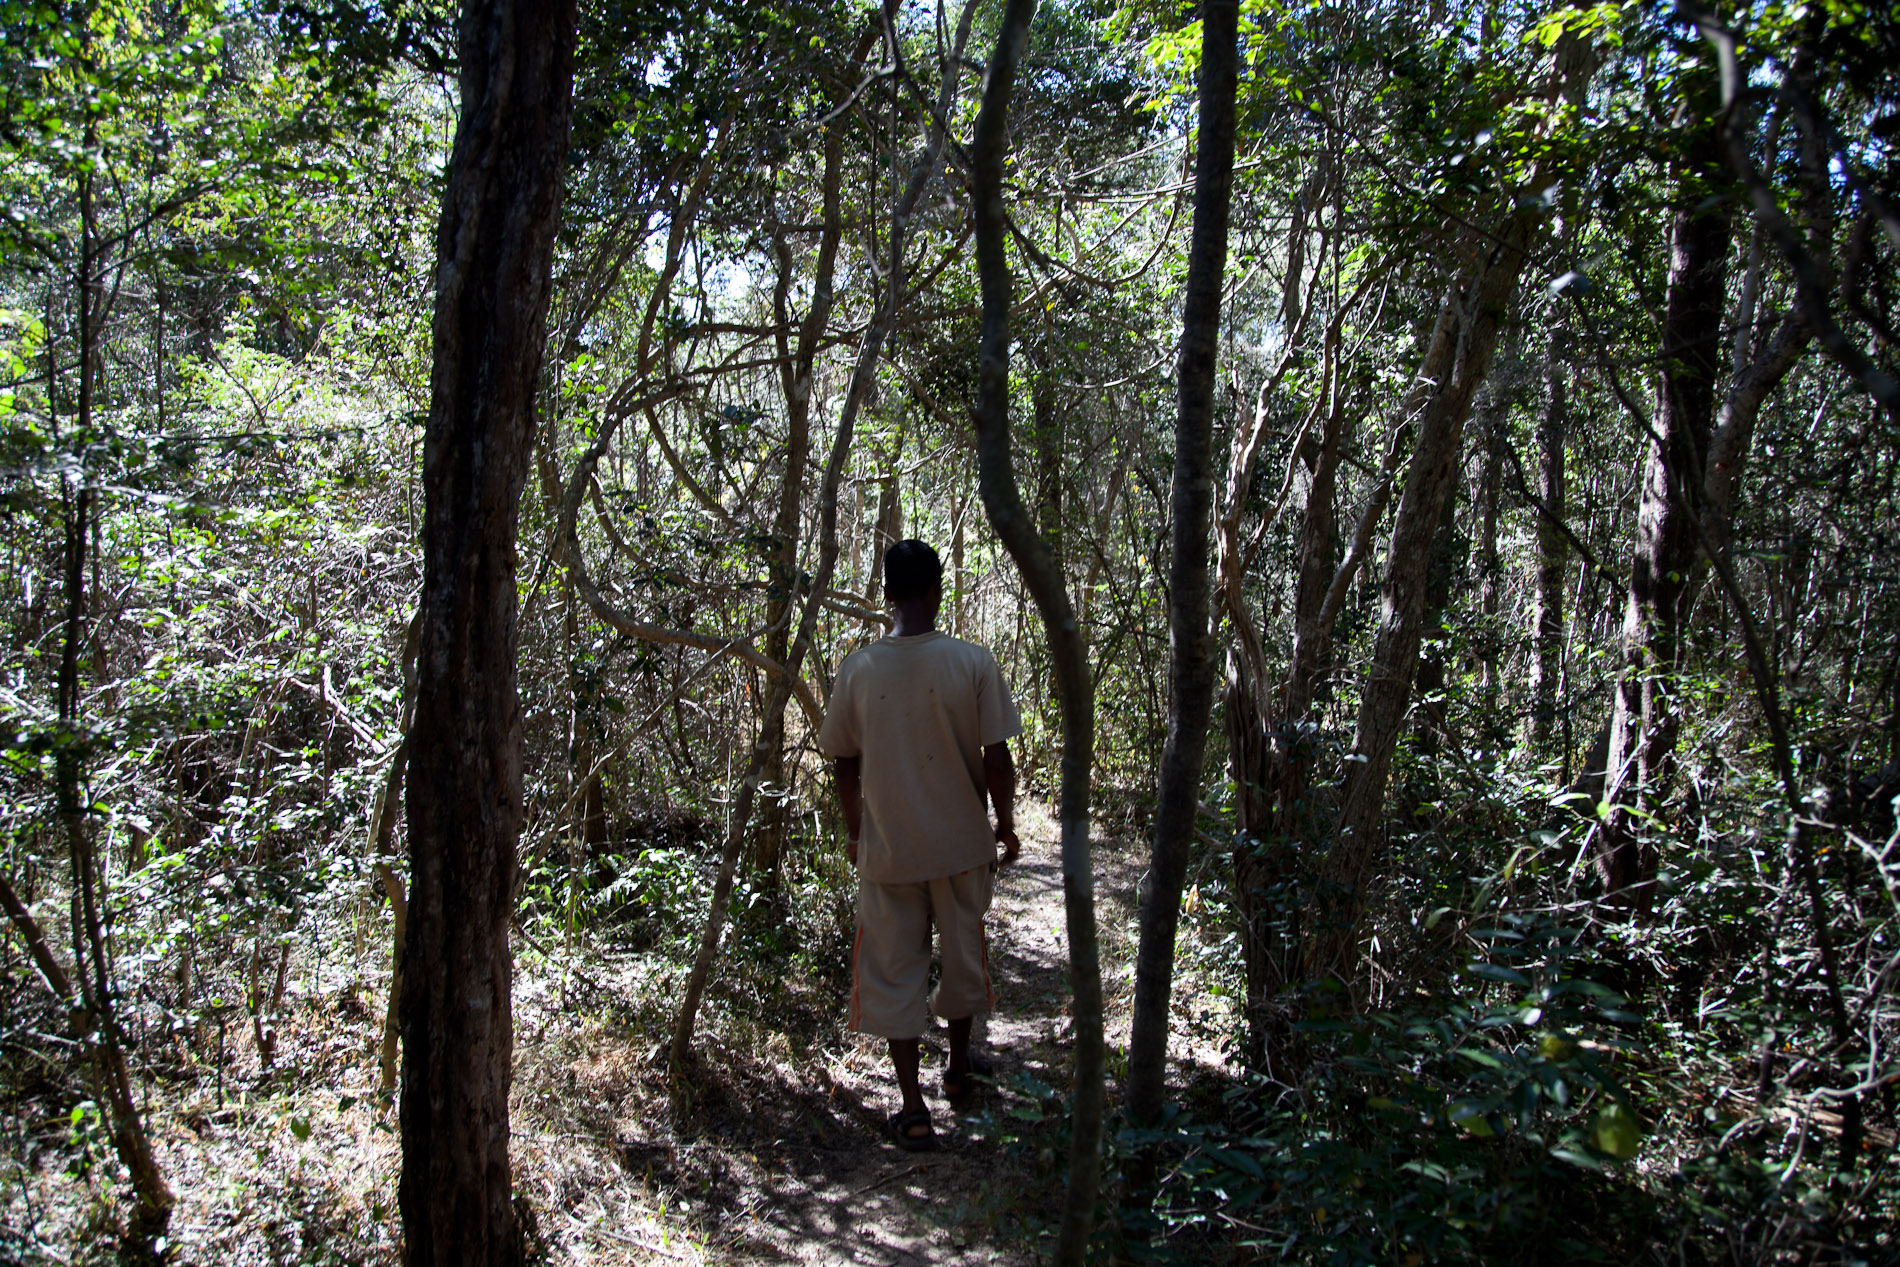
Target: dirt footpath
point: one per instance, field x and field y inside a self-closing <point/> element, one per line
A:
<point x="783" y="1155"/>
<point x="858" y="1197"/>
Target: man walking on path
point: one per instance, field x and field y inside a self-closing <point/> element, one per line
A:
<point x="918" y="729"/>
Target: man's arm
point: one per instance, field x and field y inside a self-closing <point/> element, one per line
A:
<point x="999" y="772"/>
<point x="851" y="796"/>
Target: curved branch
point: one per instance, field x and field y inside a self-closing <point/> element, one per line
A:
<point x="634" y="627"/>
<point x="1015" y="526"/>
<point x="883" y="318"/>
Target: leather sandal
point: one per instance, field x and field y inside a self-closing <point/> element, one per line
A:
<point x="904" y="1127"/>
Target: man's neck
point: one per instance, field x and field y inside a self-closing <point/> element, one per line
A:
<point x="913" y="620"/>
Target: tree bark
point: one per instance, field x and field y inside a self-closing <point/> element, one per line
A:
<point x="1553" y="548"/>
<point x="771" y="731"/>
<point x="494" y="246"/>
<point x="1068" y="651"/>
<point x="1662" y="585"/>
<point x="1190" y="639"/>
<point x="1455" y="363"/>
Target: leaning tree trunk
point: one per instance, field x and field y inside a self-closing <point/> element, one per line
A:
<point x="1191" y="642"/>
<point x="494" y="245"/>
<point x="1068" y="651"/>
<point x="772" y="729"/>
<point x="1455" y="364"/>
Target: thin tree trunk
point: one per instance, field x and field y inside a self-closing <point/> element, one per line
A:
<point x="796" y="363"/>
<point x="1813" y="278"/>
<point x="1271" y="761"/>
<point x="771" y="731"/>
<point x="37" y="946"/>
<point x="494" y="246"/>
<point x="1045" y="434"/>
<point x="1428" y="727"/>
<point x="1490" y="566"/>
<point x="92" y="954"/>
<point x="1191" y="649"/>
<point x="958" y="504"/>
<point x="1455" y="364"/>
<point x="382" y="827"/>
<point x="1068" y="651"/>
<point x="1553" y="548"/>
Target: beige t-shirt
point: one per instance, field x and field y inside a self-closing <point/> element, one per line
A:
<point x="918" y="712"/>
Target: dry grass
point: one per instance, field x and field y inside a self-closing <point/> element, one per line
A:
<point x="299" y="1165"/>
<point x="770" y="1149"/>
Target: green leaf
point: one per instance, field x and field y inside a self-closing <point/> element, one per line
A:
<point x="1617" y="1131"/>
<point x="1498" y="972"/>
<point x="1237" y="1161"/>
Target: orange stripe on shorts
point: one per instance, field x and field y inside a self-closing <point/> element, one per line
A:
<point x="856" y="1018"/>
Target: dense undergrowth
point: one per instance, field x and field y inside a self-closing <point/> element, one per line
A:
<point x="1537" y="1084"/>
<point x="216" y="257"/>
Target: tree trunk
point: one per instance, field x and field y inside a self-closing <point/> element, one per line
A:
<point x="1429" y="718"/>
<point x="1191" y="649"/>
<point x="1490" y="567"/>
<point x="1271" y="761"/>
<point x="494" y="245"/>
<point x="92" y="954"/>
<point x="37" y="947"/>
<point x="381" y="830"/>
<point x="1046" y="438"/>
<point x="1458" y="358"/>
<point x="1553" y="548"/>
<point x="1068" y="651"/>
<point x="1662" y="586"/>
<point x="1455" y="363"/>
<point x="771" y="731"/>
<point x="796" y="362"/>
<point x="1694" y="463"/>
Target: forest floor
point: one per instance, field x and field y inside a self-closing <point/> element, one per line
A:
<point x="774" y="1148"/>
<point x="815" y="1176"/>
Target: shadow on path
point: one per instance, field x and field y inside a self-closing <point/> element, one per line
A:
<point x="832" y="1187"/>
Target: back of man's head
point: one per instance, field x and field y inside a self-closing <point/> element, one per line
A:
<point x="911" y="569"/>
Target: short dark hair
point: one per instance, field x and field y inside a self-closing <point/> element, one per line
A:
<point x="910" y="569"/>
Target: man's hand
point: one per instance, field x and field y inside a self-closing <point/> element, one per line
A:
<point x="999" y="777"/>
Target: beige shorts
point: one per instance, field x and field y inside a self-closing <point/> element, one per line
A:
<point x="890" y="963"/>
